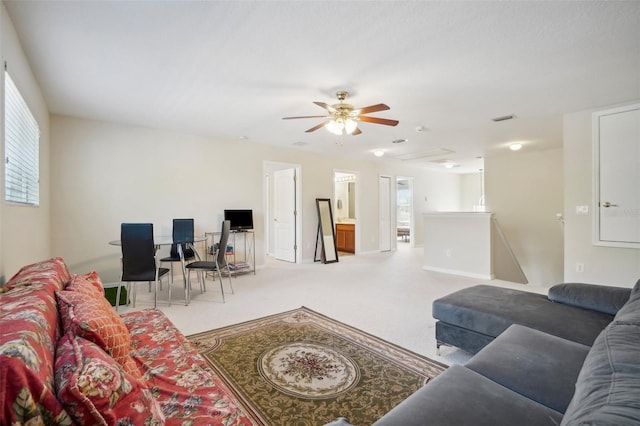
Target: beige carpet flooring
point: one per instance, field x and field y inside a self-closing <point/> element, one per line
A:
<point x="385" y="294"/>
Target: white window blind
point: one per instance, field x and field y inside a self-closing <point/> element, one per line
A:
<point x="21" y="148"/>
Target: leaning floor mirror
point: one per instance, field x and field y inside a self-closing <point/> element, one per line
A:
<point x="326" y="233"/>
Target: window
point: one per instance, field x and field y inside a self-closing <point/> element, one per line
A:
<point x="21" y="148"/>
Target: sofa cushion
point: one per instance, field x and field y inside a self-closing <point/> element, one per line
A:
<point x="537" y="365"/>
<point x="29" y="329"/>
<point x="630" y="312"/>
<point x="490" y="310"/>
<point x="95" y="389"/>
<point x="178" y="376"/>
<point x="608" y="387"/>
<point x="50" y="272"/>
<point x="468" y="340"/>
<point x="589" y="296"/>
<point x="460" y="396"/>
<point x="94" y="319"/>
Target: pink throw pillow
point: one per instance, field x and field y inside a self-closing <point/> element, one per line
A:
<point x="89" y="284"/>
<point x="94" y="319"/>
<point x="94" y="389"/>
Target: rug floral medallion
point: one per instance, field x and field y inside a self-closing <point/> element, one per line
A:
<point x="303" y="368"/>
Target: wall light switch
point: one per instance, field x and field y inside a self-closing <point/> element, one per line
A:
<point x="582" y="210"/>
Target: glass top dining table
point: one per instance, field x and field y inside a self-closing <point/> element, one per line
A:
<point x="162" y="240"/>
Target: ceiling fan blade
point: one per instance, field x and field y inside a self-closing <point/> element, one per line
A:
<point x="377" y="120"/>
<point x="305" y="116"/>
<point x="372" y="108"/>
<point x="325" y="106"/>
<point x="314" y="128"/>
<point x="357" y="131"/>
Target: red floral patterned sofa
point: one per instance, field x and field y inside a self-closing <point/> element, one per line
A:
<point x="67" y="358"/>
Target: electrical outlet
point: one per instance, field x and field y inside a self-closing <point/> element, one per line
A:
<point x="579" y="267"/>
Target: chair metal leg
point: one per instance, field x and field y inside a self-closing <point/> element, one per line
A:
<point x="230" y="282"/>
<point x="135" y="287"/>
<point x="187" y="286"/>
<point x="202" y="278"/>
<point x="187" y="289"/>
<point x="118" y="295"/>
<point x="221" y="286"/>
<point x="128" y="294"/>
<point x="155" y="295"/>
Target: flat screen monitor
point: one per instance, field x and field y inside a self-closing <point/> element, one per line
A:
<point x="241" y="220"/>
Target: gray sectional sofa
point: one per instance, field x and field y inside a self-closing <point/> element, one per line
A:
<point x="572" y="358"/>
<point x="471" y="318"/>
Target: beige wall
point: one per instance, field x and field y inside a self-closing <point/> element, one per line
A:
<point x="104" y="174"/>
<point x="602" y="265"/>
<point x="25" y="230"/>
<point x="524" y="190"/>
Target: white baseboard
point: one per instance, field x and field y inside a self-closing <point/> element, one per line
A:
<point x="457" y="272"/>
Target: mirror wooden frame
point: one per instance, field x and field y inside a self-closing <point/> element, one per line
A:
<point x="326" y="232"/>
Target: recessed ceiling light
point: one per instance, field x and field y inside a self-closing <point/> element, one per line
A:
<point x="515" y="146"/>
<point x="378" y="153"/>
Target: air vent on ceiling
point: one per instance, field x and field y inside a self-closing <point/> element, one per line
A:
<point x="504" y="118"/>
<point x="402" y="140"/>
<point x="300" y="143"/>
<point x="438" y="152"/>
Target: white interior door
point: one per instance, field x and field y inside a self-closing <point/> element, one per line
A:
<point x="618" y="154"/>
<point x="284" y="220"/>
<point x="385" y="213"/>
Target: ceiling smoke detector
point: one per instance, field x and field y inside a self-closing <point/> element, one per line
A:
<point x="504" y="118"/>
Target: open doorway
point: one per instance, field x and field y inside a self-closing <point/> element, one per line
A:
<point x="404" y="212"/>
<point x="345" y="206"/>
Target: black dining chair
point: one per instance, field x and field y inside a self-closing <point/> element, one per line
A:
<point x="218" y="265"/>
<point x="139" y="263"/>
<point x="183" y="234"/>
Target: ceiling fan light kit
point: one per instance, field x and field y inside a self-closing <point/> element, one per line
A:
<point x="343" y="118"/>
<point x="340" y="126"/>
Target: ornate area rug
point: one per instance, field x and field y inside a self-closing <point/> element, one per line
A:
<point x="303" y="368"/>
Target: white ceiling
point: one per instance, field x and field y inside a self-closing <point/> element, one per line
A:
<point x="232" y="69"/>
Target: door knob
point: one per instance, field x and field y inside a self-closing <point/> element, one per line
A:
<point x="608" y="204"/>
